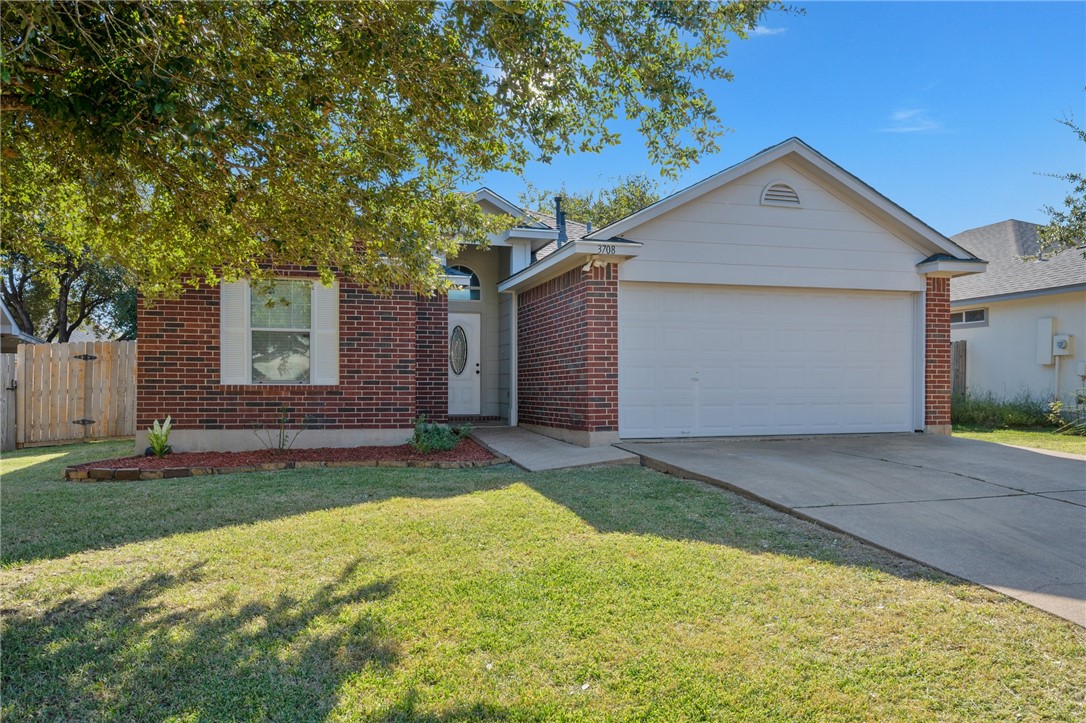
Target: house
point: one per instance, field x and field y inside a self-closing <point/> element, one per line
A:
<point x="780" y="296"/>
<point x="1014" y="317"/>
<point x="11" y="336"/>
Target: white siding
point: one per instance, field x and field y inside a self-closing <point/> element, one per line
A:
<point x="728" y="237"/>
<point x="1001" y="358"/>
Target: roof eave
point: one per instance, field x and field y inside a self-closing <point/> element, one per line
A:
<point x="951" y="268"/>
<point x="568" y="256"/>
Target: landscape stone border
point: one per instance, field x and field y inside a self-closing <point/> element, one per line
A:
<point x="103" y="474"/>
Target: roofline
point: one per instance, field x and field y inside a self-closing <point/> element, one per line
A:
<point x="568" y="256"/>
<point x="794" y="146"/>
<point x="505" y="205"/>
<point x="1014" y="295"/>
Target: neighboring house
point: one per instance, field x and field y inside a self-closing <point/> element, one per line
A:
<point x="780" y="296"/>
<point x="1010" y="316"/>
<point x="11" y="336"/>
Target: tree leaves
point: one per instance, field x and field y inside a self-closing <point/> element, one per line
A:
<point x="209" y="139"/>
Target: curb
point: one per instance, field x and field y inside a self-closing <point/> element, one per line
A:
<point x="106" y="474"/>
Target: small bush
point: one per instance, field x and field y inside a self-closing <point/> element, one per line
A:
<point x="433" y="437"/>
<point x="988" y="410"/>
<point x="158" y="438"/>
<point x="1069" y="420"/>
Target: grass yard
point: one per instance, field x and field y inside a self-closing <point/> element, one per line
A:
<point x="493" y="594"/>
<point x="1034" y="438"/>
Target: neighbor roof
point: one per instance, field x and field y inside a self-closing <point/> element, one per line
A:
<point x="1005" y="244"/>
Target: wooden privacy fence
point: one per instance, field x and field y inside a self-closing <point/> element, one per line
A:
<point x="957" y="368"/>
<point x="77" y="391"/>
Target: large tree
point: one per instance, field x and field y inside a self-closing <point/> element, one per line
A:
<point x="599" y="208"/>
<point x="200" y="140"/>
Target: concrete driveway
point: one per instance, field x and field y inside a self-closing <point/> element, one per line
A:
<point x="1010" y="519"/>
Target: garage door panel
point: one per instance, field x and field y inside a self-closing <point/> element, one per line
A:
<point x="742" y="361"/>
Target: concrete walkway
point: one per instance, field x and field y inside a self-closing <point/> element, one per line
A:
<point x="536" y="452"/>
<point x="1007" y="518"/>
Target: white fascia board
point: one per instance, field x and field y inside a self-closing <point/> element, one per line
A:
<point x="570" y="255"/>
<point x="811" y="160"/>
<point x="950" y="268"/>
<point x="506" y="206"/>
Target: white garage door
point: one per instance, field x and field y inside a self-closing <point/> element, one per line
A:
<point x="704" y="361"/>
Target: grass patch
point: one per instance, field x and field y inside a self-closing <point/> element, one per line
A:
<point x="493" y="594"/>
<point x="1033" y="438"/>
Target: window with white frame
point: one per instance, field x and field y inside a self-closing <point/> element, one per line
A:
<point x="471" y="292"/>
<point x="968" y="317"/>
<point x="280" y="322"/>
<point x="285" y="331"/>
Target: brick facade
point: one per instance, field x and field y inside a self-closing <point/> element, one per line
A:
<point x="392" y="352"/>
<point x="567" y="348"/>
<point x="937" y="356"/>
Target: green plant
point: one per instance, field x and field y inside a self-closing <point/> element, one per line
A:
<point x="1069" y="421"/>
<point x="158" y="437"/>
<point x="434" y="437"/>
<point x="281" y="437"/>
<point x="988" y="410"/>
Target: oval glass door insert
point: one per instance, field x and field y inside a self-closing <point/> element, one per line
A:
<point x="458" y="350"/>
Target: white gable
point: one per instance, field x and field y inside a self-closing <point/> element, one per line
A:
<point x="730" y="235"/>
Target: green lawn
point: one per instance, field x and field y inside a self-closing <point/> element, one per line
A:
<point x="1034" y="438"/>
<point x="493" y="594"/>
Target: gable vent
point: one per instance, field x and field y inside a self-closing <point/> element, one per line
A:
<point x="780" y="194"/>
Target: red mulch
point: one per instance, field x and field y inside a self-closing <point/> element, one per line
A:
<point x="467" y="450"/>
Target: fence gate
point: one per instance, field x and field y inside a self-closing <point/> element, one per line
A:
<point x="76" y="391"/>
<point x="957" y="368"/>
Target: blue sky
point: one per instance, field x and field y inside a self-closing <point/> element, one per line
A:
<point x="949" y="109"/>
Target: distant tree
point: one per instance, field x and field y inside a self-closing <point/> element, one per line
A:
<point x="53" y="299"/>
<point x="626" y="196"/>
<point x="190" y="141"/>
<point x="1066" y="228"/>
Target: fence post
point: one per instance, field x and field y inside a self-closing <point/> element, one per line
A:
<point x="957" y="368"/>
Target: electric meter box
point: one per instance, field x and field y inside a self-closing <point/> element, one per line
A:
<point x="1061" y="344"/>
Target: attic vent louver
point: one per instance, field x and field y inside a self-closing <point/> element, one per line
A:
<point x="780" y="194"/>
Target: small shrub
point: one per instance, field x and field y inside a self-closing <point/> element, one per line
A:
<point x="987" y="410"/>
<point x="1069" y="421"/>
<point x="280" y="438"/>
<point x="158" y="438"/>
<point x="433" y="437"/>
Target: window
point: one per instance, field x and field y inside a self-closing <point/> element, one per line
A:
<point x="280" y="320"/>
<point x="471" y="292"/>
<point x="285" y="332"/>
<point x="968" y="318"/>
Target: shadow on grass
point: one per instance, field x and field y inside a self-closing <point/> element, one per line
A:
<point x="156" y="649"/>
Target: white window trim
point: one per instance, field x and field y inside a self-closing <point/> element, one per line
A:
<point x="236" y="335"/>
<point x="969" y="324"/>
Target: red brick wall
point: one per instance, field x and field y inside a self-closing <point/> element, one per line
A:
<point x="937" y="354"/>
<point x="432" y="354"/>
<point x="567" y="346"/>
<point x="381" y="351"/>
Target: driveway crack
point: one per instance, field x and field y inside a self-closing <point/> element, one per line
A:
<point x="914" y="502"/>
<point x="933" y="469"/>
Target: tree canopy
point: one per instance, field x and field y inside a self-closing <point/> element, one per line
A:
<point x="203" y="140"/>
<point x="608" y="205"/>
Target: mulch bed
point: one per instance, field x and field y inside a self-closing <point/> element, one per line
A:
<point x="467" y="453"/>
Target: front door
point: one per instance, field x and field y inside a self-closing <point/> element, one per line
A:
<point x="464" y="365"/>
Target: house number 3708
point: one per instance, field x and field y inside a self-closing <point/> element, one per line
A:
<point x="606" y="248"/>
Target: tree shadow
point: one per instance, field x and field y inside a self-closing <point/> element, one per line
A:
<point x="155" y="649"/>
<point x="52" y="518"/>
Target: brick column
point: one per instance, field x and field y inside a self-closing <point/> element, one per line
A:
<point x="432" y="354"/>
<point x="937" y="357"/>
<point x="567" y="356"/>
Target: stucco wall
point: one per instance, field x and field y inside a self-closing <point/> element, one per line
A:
<point x="1001" y="358"/>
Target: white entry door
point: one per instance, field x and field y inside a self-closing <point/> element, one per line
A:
<point x="464" y="364"/>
